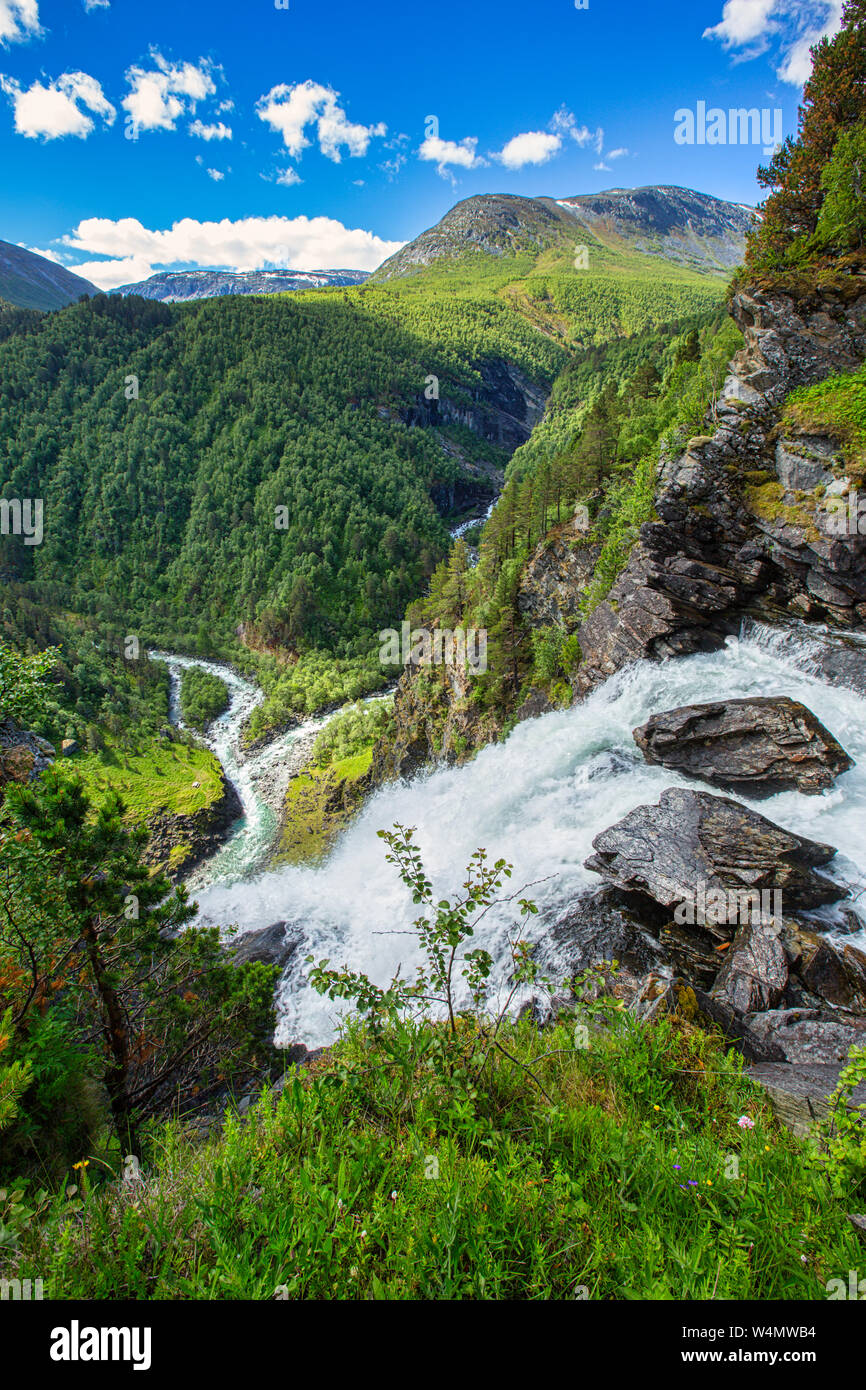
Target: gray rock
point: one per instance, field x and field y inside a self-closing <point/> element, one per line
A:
<point x="799" y="1093"/>
<point x="273" y="945"/>
<point x="606" y="925"/>
<point x="811" y="1036"/>
<point x="753" y="746"/>
<point x="693" y="841"/>
<point x="755" y="970"/>
<point x="803" y="464"/>
<point x="737" y="1030"/>
<point x="836" y="974"/>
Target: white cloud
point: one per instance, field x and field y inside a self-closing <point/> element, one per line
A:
<point x="19" y="20"/>
<point x="52" y="111"/>
<point x="796" y="25"/>
<point x="602" y="167"/>
<point x="287" y="178"/>
<point x="617" y="154"/>
<point x="442" y="153"/>
<point x="743" y="21"/>
<point x="252" y="243"/>
<point x="797" y="64"/>
<point x="216" y="174"/>
<point x="564" y="123"/>
<point x="97" y="5"/>
<point x="163" y="93"/>
<point x="290" y="110"/>
<point x="219" y="131"/>
<point x="533" y="147"/>
<point x="38" y="251"/>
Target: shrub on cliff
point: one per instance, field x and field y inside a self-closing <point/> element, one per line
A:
<point x="818" y="166"/>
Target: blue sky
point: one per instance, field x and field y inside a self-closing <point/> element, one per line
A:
<point x="138" y="135"/>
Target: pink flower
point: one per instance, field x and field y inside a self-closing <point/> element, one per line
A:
<point x="746" y="1122"/>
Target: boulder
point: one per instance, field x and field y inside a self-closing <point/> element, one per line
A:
<point x="273" y="945"/>
<point x="836" y="974"/>
<point x="755" y="746"/>
<point x="755" y="970"/>
<point x="68" y="747"/>
<point x="606" y="925"/>
<point x="695" y="841"/>
<point x="811" y="1036"/>
<point x="799" y="1094"/>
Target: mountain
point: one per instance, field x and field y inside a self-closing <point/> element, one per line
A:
<point x="691" y="229"/>
<point x="676" y="223"/>
<point x="179" y="286"/>
<point x="29" y="281"/>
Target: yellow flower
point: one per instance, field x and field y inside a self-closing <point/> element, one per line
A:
<point x="656" y="1107"/>
<point x="85" y="1163"/>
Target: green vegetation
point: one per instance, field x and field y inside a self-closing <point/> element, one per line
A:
<point x="114" y="1015"/>
<point x="468" y="1159"/>
<point x="836" y="407"/>
<point x="814" y="217"/>
<point x="613" y="415"/>
<point x="175" y="777"/>
<point x="203" y="697"/>
<point x="353" y="731"/>
<point x="321" y="800"/>
<point x="315" y="682"/>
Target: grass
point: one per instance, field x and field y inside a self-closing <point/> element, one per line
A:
<point x="157" y="777"/>
<point x="318" y="805"/>
<point x="836" y="407"/>
<point x="630" y="1178"/>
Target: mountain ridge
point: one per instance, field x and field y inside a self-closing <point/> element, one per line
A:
<point x="184" y="286"/>
<point x="679" y="225"/>
<point x="31" y="281"/>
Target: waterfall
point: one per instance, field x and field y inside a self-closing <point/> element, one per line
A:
<point x="538" y="800"/>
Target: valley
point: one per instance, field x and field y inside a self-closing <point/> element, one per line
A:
<point x="433" y="713"/>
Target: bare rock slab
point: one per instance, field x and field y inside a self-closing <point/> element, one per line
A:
<point x="672" y="852"/>
<point x="756" y="747"/>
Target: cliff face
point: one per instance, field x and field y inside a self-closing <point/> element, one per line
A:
<point x="743" y="525"/>
<point x="740" y="512"/>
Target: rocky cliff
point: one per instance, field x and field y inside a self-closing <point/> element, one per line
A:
<point x="746" y="521"/>
<point x="742" y="514"/>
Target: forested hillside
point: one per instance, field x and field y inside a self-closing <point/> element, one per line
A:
<point x="280" y="472"/>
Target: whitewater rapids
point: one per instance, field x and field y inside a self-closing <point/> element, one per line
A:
<point x="537" y="800"/>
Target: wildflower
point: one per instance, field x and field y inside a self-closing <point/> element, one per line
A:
<point x="709" y="1182"/>
<point x="677" y="1168"/>
<point x="746" y="1122"/>
<point x="363" y="1235"/>
<point x="656" y="1107"/>
<point x="85" y="1163"/>
<point x="394" y="1196"/>
<point x="693" y="1182"/>
<point x="766" y="1148"/>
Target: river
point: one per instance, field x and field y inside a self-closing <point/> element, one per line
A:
<point x="538" y="800"/>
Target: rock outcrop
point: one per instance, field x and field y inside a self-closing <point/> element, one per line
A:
<point x="23" y="755"/>
<point x="693" y="842"/>
<point x="735" y="518"/>
<point x="176" y="844"/>
<point x="756" y="747"/>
